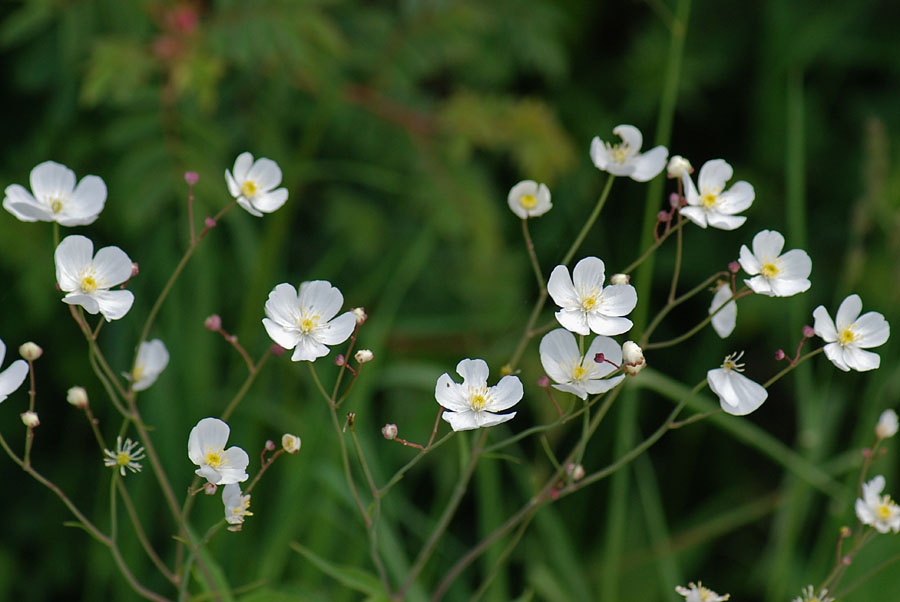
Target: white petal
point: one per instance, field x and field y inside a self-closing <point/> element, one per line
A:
<point x="725" y="222"/>
<point x="573" y="388"/>
<point x="88" y="302"/>
<point x="233" y="187"/>
<point x="823" y="325"/>
<point x="474" y="372"/>
<point x="12" y="378"/>
<point x="848" y="311"/>
<point x="607" y="325"/>
<point x="267" y="202"/>
<point x="610" y="350"/>
<point x="649" y="165"/>
<point x="208" y="433"/>
<point x="87" y="201"/>
<point x="738" y="395"/>
<point x="461" y="421"/>
<point x="561" y="289"/>
<point x="113" y="266"/>
<point x="761" y="285"/>
<point x="450" y="394"/>
<point x="247" y="206"/>
<point x="242" y="166"/>
<point x="724" y="321"/>
<point x="737" y="198"/>
<point x="618" y="300"/>
<point x="72" y="255"/>
<point x="795" y="265"/>
<point x="574" y="320"/>
<point x="234" y="465"/>
<point x="486" y="419"/>
<point x="51" y="179"/>
<point x="558" y="348"/>
<point x="595" y="387"/>
<point x="588" y="274"/>
<point x="319" y="297"/>
<point x="599" y="154"/>
<point x="2" y="351"/>
<point x="871" y="330"/>
<point x="714" y="174"/>
<point x="783" y="287"/>
<point x="690" y="191"/>
<point x="630" y="135"/>
<point x="835" y="352"/>
<point x="22" y="205"/>
<point x="285" y="338"/>
<point x="861" y="360"/>
<point x="337" y="330"/>
<point x="265" y="173"/>
<point x="308" y="349"/>
<point x="282" y="306"/>
<point x="505" y="394"/>
<point x="695" y="214"/>
<point x="113" y="304"/>
<point x="152" y="357"/>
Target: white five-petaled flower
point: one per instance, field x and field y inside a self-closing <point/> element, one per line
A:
<point x="126" y="455"/>
<point x="237" y="506"/>
<point x="713" y="205"/>
<point x="13" y="377"/>
<point x="588" y="306"/>
<point x="809" y="595"/>
<point x="253" y="184"/>
<point x="774" y="274"/>
<point x="695" y="592"/>
<point x="880" y="511"/>
<point x="303" y="321"/>
<point x="887" y="425"/>
<point x="625" y="159"/>
<point x="56" y="198"/>
<point x="529" y="199"/>
<point x="206" y="449"/>
<point x="724" y="320"/>
<point x="851" y="334"/>
<point x="152" y="359"/>
<point x="87" y="278"/>
<point x="473" y="403"/>
<point x="738" y="395"/>
<point x="579" y="374"/>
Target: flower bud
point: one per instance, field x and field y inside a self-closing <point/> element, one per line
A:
<point x="30" y="351"/>
<point x="214" y="323"/>
<point x="887" y="425"/>
<point x="77" y="396"/>
<point x="575" y="471"/>
<point x="734" y="267"/>
<point x="277" y="350"/>
<point x="543" y="382"/>
<point x="360" y="314"/>
<point x="506" y="370"/>
<point x="678" y="166"/>
<point x="633" y="358"/>
<point x="210" y="488"/>
<point x="290" y="443"/>
<point x="389" y="431"/>
<point x="809" y="332"/>
<point x="620" y="279"/>
<point x="674" y="200"/>
<point x="191" y="177"/>
<point x="269" y="445"/>
<point x="30" y="419"/>
<point x="135" y="269"/>
<point x="663" y="217"/>
<point x="340" y="360"/>
<point x="210" y="222"/>
<point x="364" y="355"/>
<point x="779" y="355"/>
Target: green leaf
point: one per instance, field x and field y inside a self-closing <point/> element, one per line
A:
<point x="351" y="577"/>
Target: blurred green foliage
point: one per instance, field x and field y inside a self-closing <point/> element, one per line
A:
<point x="399" y="127"/>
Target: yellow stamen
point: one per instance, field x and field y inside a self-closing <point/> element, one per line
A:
<point x="579" y="372"/>
<point x="591" y="301"/>
<point x="214" y="458"/>
<point x="309" y="323"/>
<point x="769" y="270"/>
<point x="710" y="199"/>
<point x="88" y="284"/>
<point x="528" y="201"/>
<point x="619" y="152"/>
<point x="56" y="205"/>
<point x="249" y="189"/>
<point x="847" y="336"/>
<point x="884" y="510"/>
<point x="123" y="459"/>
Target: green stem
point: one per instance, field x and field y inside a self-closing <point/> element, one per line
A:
<point x="656" y="244"/>
<point x="590" y="221"/>
<point x="535" y="264"/>
<point x="699" y="326"/>
<point x="799" y="361"/>
<point x="675" y="303"/>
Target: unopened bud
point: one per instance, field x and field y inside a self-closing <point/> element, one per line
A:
<point x="633" y="358"/>
<point x="846" y="560"/>
<point x="277" y="350"/>
<point x="506" y="370"/>
<point x="887" y="425"/>
<point x="360" y="314"/>
<point x="210" y="222"/>
<point x="390" y="431"/>
<point x="340" y="360"/>
<point x="575" y="471"/>
<point x="620" y="279"/>
<point x="290" y="443"/>
<point x="30" y="351"/>
<point x="543" y="382"/>
<point x="364" y="355"/>
<point x="77" y="396"/>
<point x="30" y="419"/>
<point x="270" y="445"/>
<point x="678" y="166"/>
<point x="846" y="532"/>
<point x="779" y="355"/>
<point x="210" y="488"/>
<point x="135" y="269"/>
<point x="191" y="177"/>
<point x="809" y="332"/>
<point x="734" y="267"/>
<point x="663" y="216"/>
<point x="674" y="200"/>
<point x="214" y="323"/>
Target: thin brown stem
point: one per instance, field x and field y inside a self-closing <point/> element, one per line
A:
<point x="535" y="264"/>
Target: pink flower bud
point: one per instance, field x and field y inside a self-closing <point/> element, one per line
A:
<point x="340" y="360"/>
<point x="543" y="382"/>
<point x="389" y="431"/>
<point x="734" y="267"/>
<point x="360" y="314"/>
<point x="663" y="216"/>
<point x="214" y="323"/>
<point x="674" y="199"/>
<point x="599" y="358"/>
<point x="135" y="269"/>
<point x="191" y="177"/>
<point x="270" y="445"/>
<point x="210" y="222"/>
<point x="779" y="355"/>
<point x="210" y="488"/>
<point x="277" y="350"/>
<point x="809" y="332"/>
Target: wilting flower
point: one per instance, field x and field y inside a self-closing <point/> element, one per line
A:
<point x="809" y="595"/>
<point x="738" y="395"/>
<point x="774" y="274"/>
<point x="237" y="506"/>
<point x="253" y="184"/>
<point x="695" y="592"/>
<point x="152" y="359"/>
<point x="473" y="404"/>
<point x="87" y="278"/>
<point x="579" y="374"/>
<point x="290" y="443"/>
<point x="126" y="455"/>
<point x="529" y="199"/>
<point x="714" y="205"/>
<point x="206" y="449"/>
<point x="724" y="321"/>
<point x="625" y="159"/>
<point x="851" y="334"/>
<point x="887" y="425"/>
<point x="13" y="377"/>
<point x="588" y="306"/>
<point x="880" y="511"/>
<point x="56" y="198"/>
<point x="305" y="321"/>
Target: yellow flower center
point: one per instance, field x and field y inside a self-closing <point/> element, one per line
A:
<point x="619" y="152"/>
<point x="123" y="459"/>
<point x="884" y="510"/>
<point x="847" y="336"/>
<point x="731" y="362"/>
<point x="705" y="594"/>
<point x="88" y="284"/>
<point x="769" y="270"/>
<point x="214" y="458"/>
<point x="478" y="402"/>
<point x="591" y="301"/>
<point x="579" y="372"/>
<point x="528" y="201"/>
<point x="308" y="323"/>
<point x="710" y="197"/>
<point x="56" y="205"/>
<point x="137" y="373"/>
<point x="249" y="189"/>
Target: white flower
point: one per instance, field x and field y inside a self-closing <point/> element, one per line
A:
<point x="724" y="321"/>
<point x="738" y="395"/>
<point x="713" y="205"/>
<point x="633" y="358"/>
<point x="774" y="274"/>
<point x="588" y="306"/>
<point x="678" y="166"/>
<point x="852" y="333"/>
<point x="579" y="374"/>
<point x="809" y="595"/>
<point x="152" y="359"/>
<point x="56" y="198"/>
<point x="472" y="404"/>
<point x="13" y="377"/>
<point x="697" y="593"/>
<point x="87" y="278"/>
<point x="887" y="425"/>
<point x="625" y="159"/>
<point x="880" y="511"/>
<point x="253" y="182"/>
<point x="290" y="443"/>
<point x="206" y="449"/>
<point x="237" y="506"/>
<point x="126" y="456"/>
<point x="529" y="199"/>
<point x="305" y="321"/>
<point x="78" y="397"/>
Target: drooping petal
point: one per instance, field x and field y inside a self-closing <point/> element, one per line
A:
<point x="22" y="205"/>
<point x="738" y="395"/>
<point x="714" y="174"/>
<point x="690" y="192"/>
<point x="265" y="173"/>
<point x="848" y="311"/>
<point x="12" y="378"/>
<point x="595" y="387"/>
<point x="450" y="395"/>
<point x="474" y="372"/>
<point x="749" y="262"/>
<point x="242" y="166"/>
<point x="861" y="360"/>
<point x="724" y="321"/>
<point x="785" y="288"/>
<point x="319" y="297"/>
<point x="871" y="330"/>
<point x="823" y="325"/>
<point x="607" y="325"/>
<point x="72" y="255"/>
<point x="113" y="266"/>
<point x="630" y="135"/>
<point x="461" y="421"/>
<point x="618" y="300"/>
<point x="233" y="187"/>
<point x="761" y="285"/>
<point x="505" y="394"/>
<point x="308" y="349"/>
<point x="695" y="214"/>
<point x="561" y="288"/>
<point x="649" y="165"/>
<point x="113" y="304"/>
<point x="558" y="351"/>
<point x="88" y="302"/>
<point x="247" y="206"/>
<point x="599" y="154"/>
<point x="152" y="359"/>
<point x="575" y="388"/>
<point x="337" y="330"/>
